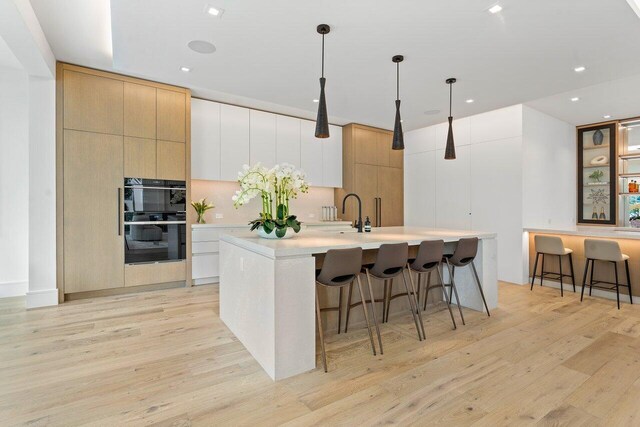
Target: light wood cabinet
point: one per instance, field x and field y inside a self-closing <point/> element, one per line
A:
<point x="372" y="170"/>
<point x="169" y="164"/>
<point x="139" y="158"/>
<point x="93" y="232"/>
<point x="92" y="103"/>
<point x="110" y="127"/>
<point x="171" y="114"/>
<point x="139" y="110"/>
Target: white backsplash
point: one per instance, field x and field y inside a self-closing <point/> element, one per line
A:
<point x="308" y="207"/>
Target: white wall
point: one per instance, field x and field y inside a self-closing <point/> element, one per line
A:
<point x="515" y="168"/>
<point x="550" y="173"/>
<point x="14" y="182"/>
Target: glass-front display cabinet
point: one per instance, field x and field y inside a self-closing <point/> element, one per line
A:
<point x="629" y="173"/>
<point x="597" y="179"/>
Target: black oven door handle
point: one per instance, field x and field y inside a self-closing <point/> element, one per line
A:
<point x="154" y="222"/>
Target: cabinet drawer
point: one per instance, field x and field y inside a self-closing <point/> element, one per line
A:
<point x="205" y="247"/>
<point x="205" y="234"/>
<point x="146" y="274"/>
<point x="205" y="266"/>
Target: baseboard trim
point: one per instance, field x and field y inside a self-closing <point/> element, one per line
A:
<point x="206" y="280"/>
<point x="45" y="298"/>
<point x="13" y="289"/>
<point x="568" y="287"/>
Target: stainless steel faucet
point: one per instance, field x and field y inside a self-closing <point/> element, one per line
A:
<point x="358" y="224"/>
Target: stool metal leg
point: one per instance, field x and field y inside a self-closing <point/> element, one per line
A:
<point x="561" y="284"/>
<point x="542" y="271"/>
<point x="584" y="278"/>
<point x="475" y="273"/>
<point x="373" y="310"/>
<point x="415" y="300"/>
<point x="386" y="302"/>
<point x="340" y="309"/>
<point x="573" y="277"/>
<point x="346" y="323"/>
<point x="413" y="309"/>
<point x="593" y="267"/>
<point x="426" y="293"/>
<point x="453" y="289"/>
<point x="446" y="300"/>
<point x="320" y="331"/>
<point x="615" y="268"/>
<point x="535" y="267"/>
<point x="626" y="266"/>
<point x="366" y="315"/>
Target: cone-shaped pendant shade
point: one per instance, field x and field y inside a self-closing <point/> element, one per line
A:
<point x="398" y="137"/>
<point x="322" y="121"/>
<point x="450" y="150"/>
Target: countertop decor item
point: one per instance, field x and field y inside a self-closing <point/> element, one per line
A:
<point x="398" y="137"/>
<point x="599" y="160"/>
<point x="596" y="175"/>
<point x="275" y="186"/>
<point x="201" y="206"/>
<point x="322" y="121"/>
<point x="598" y="137"/>
<point x="450" y="150"/>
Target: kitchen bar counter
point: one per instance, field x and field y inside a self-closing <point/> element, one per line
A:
<point x="267" y="287"/>
<point x="591" y="231"/>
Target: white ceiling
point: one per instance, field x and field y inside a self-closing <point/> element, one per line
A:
<point x="268" y="52"/>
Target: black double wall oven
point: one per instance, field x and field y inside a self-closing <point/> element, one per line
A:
<point x="155" y="220"/>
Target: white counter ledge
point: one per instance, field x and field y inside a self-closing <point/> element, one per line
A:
<point x="267" y="287"/>
<point x="591" y="231"/>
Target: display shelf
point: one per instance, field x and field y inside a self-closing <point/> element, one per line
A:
<point x="597" y="147"/>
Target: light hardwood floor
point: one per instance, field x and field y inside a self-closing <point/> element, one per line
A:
<point x="165" y="357"/>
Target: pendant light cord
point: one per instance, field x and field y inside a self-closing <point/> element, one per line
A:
<point x="397" y="81"/>
<point x="323" y="55"/>
<point x="450" y="97"/>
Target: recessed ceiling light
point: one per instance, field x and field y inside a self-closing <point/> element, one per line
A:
<point x="201" y="46"/>
<point x="469" y="101"/>
<point x="575" y="99"/>
<point x="315" y="100"/>
<point x="579" y="69"/>
<point x="495" y="9"/>
<point x="606" y="116"/>
<point x="185" y="69"/>
<point x="214" y="11"/>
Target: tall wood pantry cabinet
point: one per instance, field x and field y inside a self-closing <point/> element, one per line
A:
<point x="110" y="127"/>
<point x="372" y="170"/>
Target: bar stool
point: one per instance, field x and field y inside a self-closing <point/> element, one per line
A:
<point x="552" y="245"/>
<point x="341" y="268"/>
<point x="427" y="260"/>
<point x="391" y="262"/>
<point x="464" y="255"/>
<point x="609" y="251"/>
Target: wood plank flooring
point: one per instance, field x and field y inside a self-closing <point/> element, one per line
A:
<point x="165" y="358"/>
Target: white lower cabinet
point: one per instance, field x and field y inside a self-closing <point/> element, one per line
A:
<point x="205" y="251"/>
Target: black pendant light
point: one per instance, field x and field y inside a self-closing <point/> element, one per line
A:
<point x="322" y="122"/>
<point x="450" y="150"/>
<point x="398" y="137"/>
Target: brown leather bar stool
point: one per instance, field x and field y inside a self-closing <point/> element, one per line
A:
<point x="391" y="262"/>
<point x="464" y="255"/>
<point x="552" y="245"/>
<point x="608" y="251"/>
<point x="428" y="260"/>
<point x="341" y="268"/>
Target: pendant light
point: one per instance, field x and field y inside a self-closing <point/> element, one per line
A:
<point x="398" y="137"/>
<point x="322" y="121"/>
<point x="450" y="150"/>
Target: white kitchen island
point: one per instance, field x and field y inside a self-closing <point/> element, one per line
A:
<point x="267" y="287"/>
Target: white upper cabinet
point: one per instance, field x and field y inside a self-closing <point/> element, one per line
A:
<point x="420" y="188"/>
<point x="225" y="137"/>
<point x="331" y="157"/>
<point x="461" y="133"/>
<point x="234" y="138"/>
<point x="311" y="161"/>
<point x="263" y="138"/>
<point x="288" y="140"/>
<point x="453" y="191"/>
<point x="205" y="140"/>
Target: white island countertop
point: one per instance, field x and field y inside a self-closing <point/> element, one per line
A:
<point x="591" y="231"/>
<point x="309" y="242"/>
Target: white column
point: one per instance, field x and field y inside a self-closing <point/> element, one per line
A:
<point x="42" y="193"/>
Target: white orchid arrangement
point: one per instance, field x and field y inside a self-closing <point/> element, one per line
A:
<point x="279" y="184"/>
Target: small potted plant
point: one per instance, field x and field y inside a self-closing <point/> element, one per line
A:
<point x="596" y="175"/>
<point x="274" y="186"/>
<point x="201" y="206"/>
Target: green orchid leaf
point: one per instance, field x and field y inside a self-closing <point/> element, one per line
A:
<point x="280" y="232"/>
